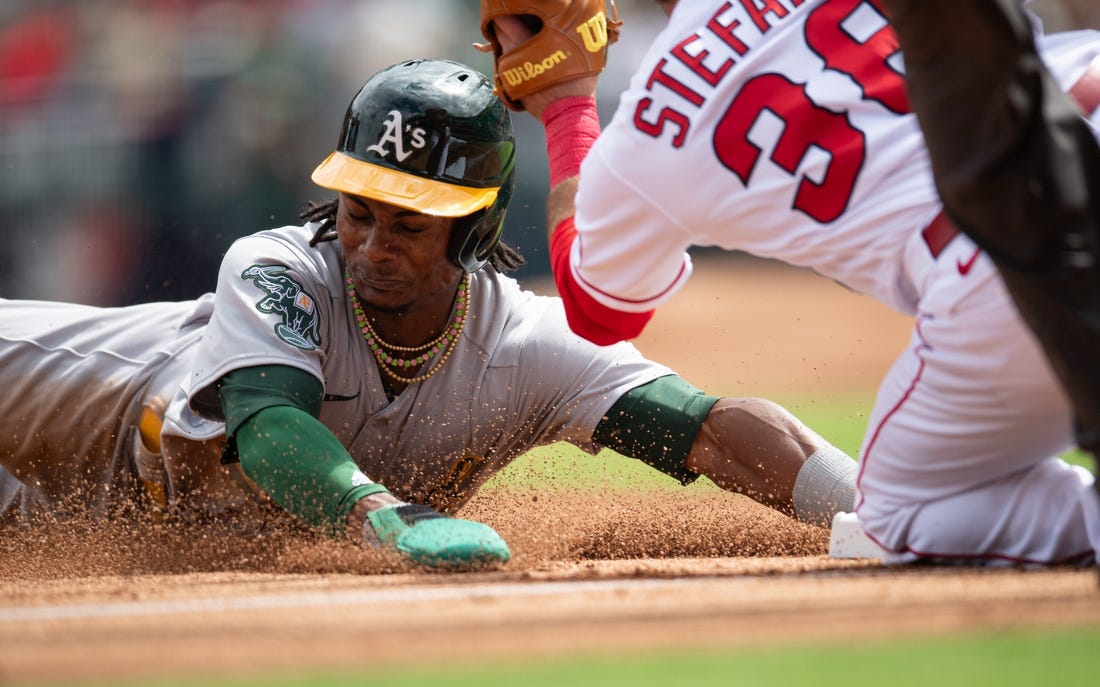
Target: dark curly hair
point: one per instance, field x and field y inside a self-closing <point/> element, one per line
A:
<point x="503" y="258"/>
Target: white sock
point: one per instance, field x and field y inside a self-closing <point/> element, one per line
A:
<point x="825" y="486"/>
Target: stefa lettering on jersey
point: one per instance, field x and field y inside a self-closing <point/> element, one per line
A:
<point x="728" y="25"/>
<point x="735" y="28"/>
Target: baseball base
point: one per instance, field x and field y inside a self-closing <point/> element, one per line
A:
<point x="847" y="540"/>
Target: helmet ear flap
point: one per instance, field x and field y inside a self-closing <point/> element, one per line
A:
<point x="475" y="237"/>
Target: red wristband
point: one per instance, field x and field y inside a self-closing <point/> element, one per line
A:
<point x="572" y="126"/>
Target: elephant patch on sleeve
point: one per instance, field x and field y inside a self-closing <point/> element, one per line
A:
<point x="299" y="323"/>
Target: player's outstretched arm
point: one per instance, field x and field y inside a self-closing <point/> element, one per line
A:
<point x="756" y="447"/>
<point x="301" y="465"/>
<point x="750" y="446"/>
<point x="567" y="111"/>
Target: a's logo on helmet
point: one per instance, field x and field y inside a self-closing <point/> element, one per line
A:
<point x="396" y="133"/>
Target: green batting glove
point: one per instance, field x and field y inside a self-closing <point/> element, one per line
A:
<point x="427" y="537"/>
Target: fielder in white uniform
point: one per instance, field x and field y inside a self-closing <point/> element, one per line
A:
<point x="782" y="129"/>
<point x="378" y="344"/>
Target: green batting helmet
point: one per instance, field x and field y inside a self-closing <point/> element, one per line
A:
<point x="430" y="136"/>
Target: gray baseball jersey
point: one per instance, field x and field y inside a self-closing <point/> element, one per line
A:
<point x="517" y="379"/>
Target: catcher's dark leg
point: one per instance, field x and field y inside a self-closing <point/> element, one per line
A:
<point x="1017" y="169"/>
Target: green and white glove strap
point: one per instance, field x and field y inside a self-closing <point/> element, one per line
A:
<point x="430" y="538"/>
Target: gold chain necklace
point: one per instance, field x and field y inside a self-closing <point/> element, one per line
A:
<point x="446" y="342"/>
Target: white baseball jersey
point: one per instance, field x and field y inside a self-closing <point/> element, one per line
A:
<point x="79" y="376"/>
<point x="790" y="135"/>
<point x="785" y="132"/>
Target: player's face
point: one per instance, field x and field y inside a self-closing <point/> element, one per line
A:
<point x="396" y="257"/>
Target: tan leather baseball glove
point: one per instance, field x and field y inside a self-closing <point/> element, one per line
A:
<point x="570" y="41"/>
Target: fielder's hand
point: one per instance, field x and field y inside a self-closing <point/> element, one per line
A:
<point x="538" y="44"/>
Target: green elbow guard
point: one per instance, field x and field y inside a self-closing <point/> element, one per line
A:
<point x="657" y="424"/>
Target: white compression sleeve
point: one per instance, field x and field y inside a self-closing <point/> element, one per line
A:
<point x="825" y="485"/>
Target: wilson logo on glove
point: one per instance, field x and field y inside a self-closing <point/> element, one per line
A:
<point x="529" y="70"/>
<point x="569" y="41"/>
<point x="594" y="32"/>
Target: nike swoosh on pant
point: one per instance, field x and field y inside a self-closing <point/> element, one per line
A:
<point x="964" y="266"/>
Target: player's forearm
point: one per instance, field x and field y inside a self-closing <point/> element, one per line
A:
<point x="303" y="468"/>
<point x="299" y="463"/>
<point x="751" y="446"/>
<point x="572" y="127"/>
<point x="560" y="205"/>
<point x="756" y="447"/>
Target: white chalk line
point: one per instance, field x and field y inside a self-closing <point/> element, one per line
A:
<point x="375" y="597"/>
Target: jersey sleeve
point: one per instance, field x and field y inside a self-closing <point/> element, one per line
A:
<point x="587" y="316"/>
<point x="271" y="307"/>
<point x="629" y="255"/>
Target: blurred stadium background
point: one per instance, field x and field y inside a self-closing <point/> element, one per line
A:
<point x="138" y="138"/>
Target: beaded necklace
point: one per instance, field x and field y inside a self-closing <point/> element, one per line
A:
<point x="383" y="351"/>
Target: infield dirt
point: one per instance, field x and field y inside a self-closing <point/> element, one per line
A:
<point x="592" y="571"/>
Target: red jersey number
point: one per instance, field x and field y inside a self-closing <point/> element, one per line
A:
<point x="805" y="125"/>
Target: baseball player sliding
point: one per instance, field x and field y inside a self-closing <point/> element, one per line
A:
<point x="366" y="372"/>
<point x="783" y="129"/>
